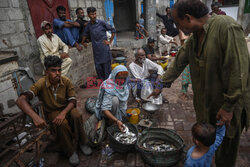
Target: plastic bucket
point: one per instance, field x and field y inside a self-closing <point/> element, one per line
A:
<point x="173" y="53"/>
<point x="163" y="64"/>
<point x="116" y="64"/>
<point x="134" y="112"/>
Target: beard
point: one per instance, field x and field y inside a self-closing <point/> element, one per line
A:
<point x="142" y="60"/>
<point x="81" y="17"/>
<point x="49" y="34"/>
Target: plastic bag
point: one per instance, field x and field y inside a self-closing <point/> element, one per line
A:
<point x="147" y="89"/>
<point x="90" y="104"/>
<point x="95" y="136"/>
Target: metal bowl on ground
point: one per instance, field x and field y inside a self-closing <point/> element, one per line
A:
<point x="118" y="146"/>
<point x="160" y="158"/>
<point x="120" y="60"/>
<point x="150" y="107"/>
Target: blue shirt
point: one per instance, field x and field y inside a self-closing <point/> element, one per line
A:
<point x="206" y="159"/>
<point x="67" y="35"/>
<point x="141" y="22"/>
<point x="97" y="33"/>
<point x="106" y="104"/>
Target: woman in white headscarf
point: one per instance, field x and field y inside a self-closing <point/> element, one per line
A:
<point x="113" y="96"/>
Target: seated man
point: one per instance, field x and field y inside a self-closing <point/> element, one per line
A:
<point x="83" y="23"/>
<point x="66" y="29"/>
<point x="140" y="31"/>
<point x="215" y="6"/>
<point x="143" y="69"/>
<point x="50" y="44"/>
<point x="113" y="96"/>
<point x="150" y="51"/>
<point x="165" y="42"/>
<point x="59" y="103"/>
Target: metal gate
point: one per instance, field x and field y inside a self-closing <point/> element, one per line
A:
<point x="41" y="10"/>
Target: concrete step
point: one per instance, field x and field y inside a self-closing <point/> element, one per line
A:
<point x="127" y="40"/>
<point x="131" y="43"/>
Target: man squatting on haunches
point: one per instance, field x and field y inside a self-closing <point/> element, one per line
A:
<point x="113" y="97"/>
<point x="59" y="104"/>
<point x="219" y="66"/>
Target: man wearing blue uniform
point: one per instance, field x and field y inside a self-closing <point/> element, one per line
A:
<point x="96" y="29"/>
<point x="67" y="30"/>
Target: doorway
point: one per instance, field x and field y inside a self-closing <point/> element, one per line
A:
<point x="124" y="15"/>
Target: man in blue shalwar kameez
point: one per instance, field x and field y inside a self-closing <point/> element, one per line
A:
<point x="96" y="29"/>
<point x="66" y="29"/>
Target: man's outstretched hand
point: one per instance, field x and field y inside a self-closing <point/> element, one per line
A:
<point x="155" y="93"/>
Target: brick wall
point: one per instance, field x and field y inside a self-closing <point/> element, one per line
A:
<point x="82" y="66"/>
<point x="17" y="33"/>
<point x="98" y="4"/>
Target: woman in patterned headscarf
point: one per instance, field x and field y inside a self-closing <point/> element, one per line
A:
<point x="113" y="95"/>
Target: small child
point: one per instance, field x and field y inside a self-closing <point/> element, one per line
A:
<point x="206" y="140"/>
<point x="140" y="31"/>
<point x="141" y="20"/>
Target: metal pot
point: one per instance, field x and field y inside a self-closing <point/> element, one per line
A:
<point x="150" y="107"/>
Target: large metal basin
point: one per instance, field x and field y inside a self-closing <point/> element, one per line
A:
<point x="150" y="107"/>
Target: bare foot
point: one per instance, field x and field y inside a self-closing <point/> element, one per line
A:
<point x="183" y="96"/>
<point x="165" y="100"/>
<point x="78" y="47"/>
